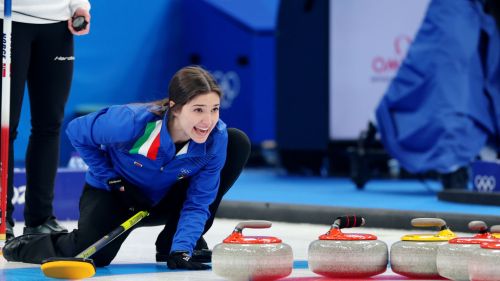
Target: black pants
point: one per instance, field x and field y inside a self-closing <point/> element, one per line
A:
<point x="101" y="212"/>
<point x="42" y="56"/>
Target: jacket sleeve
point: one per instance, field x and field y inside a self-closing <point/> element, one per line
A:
<point x="75" y="4"/>
<point x="90" y="134"/>
<point x="200" y="194"/>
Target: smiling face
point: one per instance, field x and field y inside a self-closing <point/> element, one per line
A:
<point x="196" y="119"/>
<point x="193" y="104"/>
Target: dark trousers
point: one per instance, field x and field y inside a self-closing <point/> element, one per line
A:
<point x="42" y="56"/>
<point x="101" y="212"/>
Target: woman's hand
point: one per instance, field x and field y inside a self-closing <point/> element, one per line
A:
<point x="182" y="260"/>
<point x="80" y="12"/>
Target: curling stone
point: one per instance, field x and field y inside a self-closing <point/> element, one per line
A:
<point x="241" y="257"/>
<point x="415" y="255"/>
<point x="484" y="263"/>
<point x="341" y="255"/>
<point x="495" y="231"/>
<point x="453" y="258"/>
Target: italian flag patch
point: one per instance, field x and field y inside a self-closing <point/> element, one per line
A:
<point x="149" y="142"/>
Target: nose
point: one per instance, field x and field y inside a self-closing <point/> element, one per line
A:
<point x="207" y="119"/>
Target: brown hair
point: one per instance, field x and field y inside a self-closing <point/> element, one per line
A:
<point x="185" y="85"/>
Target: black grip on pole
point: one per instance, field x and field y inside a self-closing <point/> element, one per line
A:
<point x="349" y="221"/>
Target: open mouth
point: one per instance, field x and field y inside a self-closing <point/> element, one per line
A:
<point x="201" y="132"/>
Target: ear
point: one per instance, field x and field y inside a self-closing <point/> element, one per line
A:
<point x="174" y="111"/>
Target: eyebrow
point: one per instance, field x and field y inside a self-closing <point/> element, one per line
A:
<point x="204" y="105"/>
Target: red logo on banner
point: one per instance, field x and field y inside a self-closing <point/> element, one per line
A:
<point x="402" y="44"/>
<point x="384" y="65"/>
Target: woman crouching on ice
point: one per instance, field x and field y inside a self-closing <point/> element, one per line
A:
<point x="173" y="157"/>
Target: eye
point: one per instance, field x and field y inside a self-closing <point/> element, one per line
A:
<point x="215" y="109"/>
<point x="198" y="109"/>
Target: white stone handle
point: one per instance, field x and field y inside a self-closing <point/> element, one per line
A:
<point x="253" y="224"/>
<point x="428" y="222"/>
<point x="478" y="226"/>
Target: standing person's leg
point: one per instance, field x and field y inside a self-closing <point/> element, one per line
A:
<point x="100" y="213"/>
<point x="238" y="151"/>
<point x="22" y="36"/>
<point x="49" y="82"/>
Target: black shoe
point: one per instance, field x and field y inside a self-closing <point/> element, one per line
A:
<point x="203" y="256"/>
<point x="201" y="244"/>
<point x="50" y="226"/>
<point x="201" y="252"/>
<point x="9" y="232"/>
<point x="13" y="247"/>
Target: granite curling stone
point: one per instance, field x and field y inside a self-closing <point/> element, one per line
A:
<point x="453" y="258"/>
<point x="241" y="257"/>
<point x="484" y="263"/>
<point x="352" y="255"/>
<point x="415" y="255"/>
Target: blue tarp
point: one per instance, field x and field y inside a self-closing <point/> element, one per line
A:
<point x="442" y="106"/>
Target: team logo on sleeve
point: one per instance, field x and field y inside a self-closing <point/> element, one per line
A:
<point x="184" y="173"/>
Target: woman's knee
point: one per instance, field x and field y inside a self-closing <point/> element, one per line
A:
<point x="238" y="142"/>
<point x="238" y="152"/>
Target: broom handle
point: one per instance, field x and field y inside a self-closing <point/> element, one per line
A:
<point x="113" y="235"/>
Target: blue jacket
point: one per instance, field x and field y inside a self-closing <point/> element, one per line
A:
<point x="443" y="105"/>
<point x="106" y="139"/>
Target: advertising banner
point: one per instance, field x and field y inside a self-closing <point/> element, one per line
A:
<point x="368" y="41"/>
